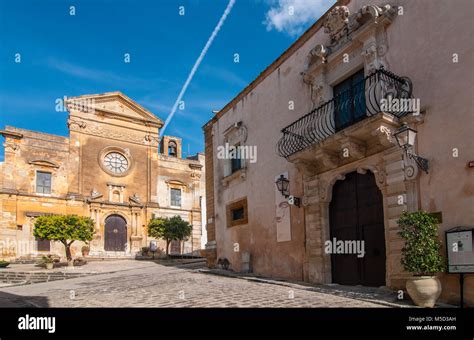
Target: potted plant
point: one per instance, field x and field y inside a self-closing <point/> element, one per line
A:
<point x="421" y="256"/>
<point x="48" y="260"/>
<point x="145" y="251"/>
<point x="4" y="264"/>
<point x="85" y="250"/>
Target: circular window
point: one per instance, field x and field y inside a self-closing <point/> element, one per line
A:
<point x="116" y="163"/>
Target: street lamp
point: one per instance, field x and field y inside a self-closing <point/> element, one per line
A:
<point x="406" y="137"/>
<point x="282" y="184"/>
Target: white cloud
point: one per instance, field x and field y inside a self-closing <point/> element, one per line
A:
<point x="295" y="16"/>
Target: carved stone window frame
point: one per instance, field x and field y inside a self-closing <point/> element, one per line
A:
<point x="360" y="36"/>
<point x="236" y="134"/>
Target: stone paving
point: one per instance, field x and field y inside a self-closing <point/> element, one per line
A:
<point x="154" y="285"/>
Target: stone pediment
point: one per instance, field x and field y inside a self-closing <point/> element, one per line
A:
<point x="114" y="105"/>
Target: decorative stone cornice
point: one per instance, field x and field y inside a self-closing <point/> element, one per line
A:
<point x="45" y="163"/>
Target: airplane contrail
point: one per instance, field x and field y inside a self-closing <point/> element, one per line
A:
<point x="196" y="65"/>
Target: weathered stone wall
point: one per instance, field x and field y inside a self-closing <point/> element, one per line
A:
<point x="419" y="44"/>
<point x="82" y="185"/>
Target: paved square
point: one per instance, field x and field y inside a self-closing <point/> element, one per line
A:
<point x="153" y="285"/>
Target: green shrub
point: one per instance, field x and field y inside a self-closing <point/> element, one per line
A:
<point x="421" y="253"/>
<point x="4" y="264"/>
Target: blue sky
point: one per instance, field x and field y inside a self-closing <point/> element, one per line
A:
<point x="65" y="55"/>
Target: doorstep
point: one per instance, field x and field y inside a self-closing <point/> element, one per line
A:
<point x="382" y="296"/>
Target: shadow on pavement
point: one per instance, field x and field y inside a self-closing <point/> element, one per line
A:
<point x="8" y="300"/>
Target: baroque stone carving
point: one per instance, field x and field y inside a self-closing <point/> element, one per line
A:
<point x="107" y="133"/>
<point x="95" y="194"/>
<point x="11" y="146"/>
<point x="75" y="124"/>
<point x="336" y="22"/>
<point x="374" y="56"/>
<point x="380" y="176"/>
<point x="340" y="24"/>
<point x="384" y="135"/>
<point x="135" y="199"/>
<point x="317" y="96"/>
<point x="410" y="168"/>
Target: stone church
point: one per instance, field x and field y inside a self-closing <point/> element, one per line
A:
<point x="112" y="167"/>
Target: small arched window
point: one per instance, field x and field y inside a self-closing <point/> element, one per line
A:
<point x="172" y="149"/>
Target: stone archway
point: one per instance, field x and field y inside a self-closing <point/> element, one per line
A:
<point x="115" y="233"/>
<point x="396" y="182"/>
<point x="356" y="219"/>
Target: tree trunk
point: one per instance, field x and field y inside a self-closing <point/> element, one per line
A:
<point x="167" y="247"/>
<point x="68" y="253"/>
<point x="68" y="250"/>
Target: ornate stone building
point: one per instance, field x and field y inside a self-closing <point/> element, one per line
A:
<point x="111" y="168"/>
<point x="317" y="118"/>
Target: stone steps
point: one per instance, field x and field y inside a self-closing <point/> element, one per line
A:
<point x="39" y="277"/>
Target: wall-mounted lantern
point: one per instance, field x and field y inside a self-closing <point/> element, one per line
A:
<point x="282" y="184"/>
<point x="405" y="137"/>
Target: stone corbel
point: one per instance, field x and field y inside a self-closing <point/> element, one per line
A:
<point x="307" y="168"/>
<point x="380" y="176"/>
<point x="410" y="168"/>
<point x="356" y="149"/>
<point x="327" y="159"/>
<point x="385" y="135"/>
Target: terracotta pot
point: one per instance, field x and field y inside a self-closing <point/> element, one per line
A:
<point x="49" y="265"/>
<point x="424" y="290"/>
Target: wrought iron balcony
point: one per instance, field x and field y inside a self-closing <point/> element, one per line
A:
<point x="362" y="99"/>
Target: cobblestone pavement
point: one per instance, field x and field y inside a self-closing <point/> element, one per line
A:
<point x="155" y="285"/>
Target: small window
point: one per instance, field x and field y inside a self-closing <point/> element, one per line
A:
<point x="176" y="197"/>
<point x="236" y="162"/>
<point x="43" y="182"/>
<point x="237" y="213"/>
<point x="172" y="149"/>
<point x="43" y="245"/>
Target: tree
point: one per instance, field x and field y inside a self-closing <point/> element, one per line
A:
<point x="169" y="229"/>
<point x="65" y="229"/>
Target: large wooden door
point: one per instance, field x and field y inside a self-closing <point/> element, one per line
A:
<point x="356" y="213"/>
<point x="115" y="236"/>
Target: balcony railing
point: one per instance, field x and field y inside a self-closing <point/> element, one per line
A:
<point x="363" y="99"/>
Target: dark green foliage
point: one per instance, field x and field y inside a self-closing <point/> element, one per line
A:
<point x="65" y="229"/>
<point x="421" y="253"/>
<point x="168" y="229"/>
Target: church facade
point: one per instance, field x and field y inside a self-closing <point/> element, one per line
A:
<point x="112" y="167"/>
